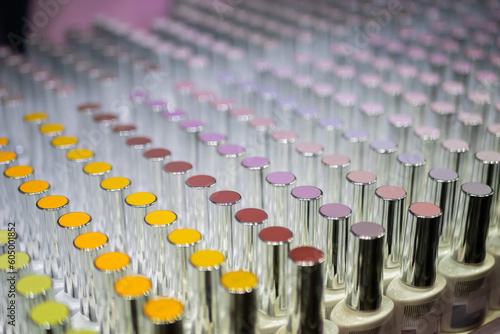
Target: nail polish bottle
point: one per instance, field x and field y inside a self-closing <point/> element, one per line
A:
<point x="416" y="293"/>
<point x="493" y="248"/>
<point x="364" y="309"/>
<point x="467" y="268"/>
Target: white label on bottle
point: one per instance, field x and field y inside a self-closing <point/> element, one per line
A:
<point x="471" y="308"/>
<point x="423" y="318"/>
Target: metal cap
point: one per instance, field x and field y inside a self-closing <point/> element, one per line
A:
<point x="473" y="218"/>
<point x="365" y="261"/>
<point x="420" y="250"/>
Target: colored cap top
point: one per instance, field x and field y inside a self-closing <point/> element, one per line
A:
<point x="306" y="256"/>
<point x="384" y="146"/>
<point x="51" y="129"/>
<point x="4" y="141"/>
<point x="411" y="159"/>
<point x="243" y="114"/>
<point x="455" y="145"/>
<point x="400" y="121"/>
<point x="231" y="150"/>
<point x="192" y="125"/>
<point x="90" y="241"/>
<point x="32" y="285"/>
<point x="285" y="136"/>
<point x="132" y="287"/>
<point x="79" y="154"/>
<point x="74" y="219"/>
<point x="280" y="178"/>
<point x="306" y="193"/>
<point x="355" y="136"/>
<point x="239" y="281"/>
<point x="18" y="261"/>
<point x="336" y="160"/>
<point x="112" y="261"/>
<point x="49" y="314"/>
<point x="138" y="142"/>
<point x="157" y="154"/>
<point x="64" y="141"/>
<point x="163" y="310"/>
<point x="105" y="118"/>
<point x="309" y="149"/>
<point x="443" y="175"/>
<point x="335" y="211"/>
<point x="141" y="199"/>
<point x="115" y="183"/>
<point x="426" y="132"/>
<point x="361" y="177"/>
<point x="18" y="172"/>
<point x="52" y="202"/>
<point x="368" y="230"/>
<point x="212" y="138"/>
<point x="276" y="235"/>
<point x="261" y="123"/>
<point x="225" y="197"/>
<point x="477" y="189"/>
<point x="36" y="117"/>
<point x="34" y="187"/>
<point x="470" y="118"/>
<point x="200" y="181"/>
<point x="177" y="167"/>
<point x="160" y="218"/>
<point x="488" y="157"/>
<point x="424" y="210"/>
<point x="443" y="107"/>
<point x="207" y="259"/>
<point x="7" y="157"/>
<point x="184" y="237"/>
<point x="251" y="216"/>
<point x="97" y="168"/>
<point x="255" y="162"/>
<point x="390" y="193"/>
<point x="124" y="128"/>
<point x="331" y="124"/>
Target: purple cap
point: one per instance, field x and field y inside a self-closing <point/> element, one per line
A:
<point x="138" y="96"/>
<point x="308" y="113"/>
<point x="255" y="162"/>
<point x="192" y="125"/>
<point x="231" y="150"/>
<point x="286" y="104"/>
<point x="335" y="210"/>
<point x="307" y="193"/>
<point x="384" y="146"/>
<point x="157" y="105"/>
<point x="442" y="174"/>
<point x="174" y="115"/>
<point x="212" y="138"/>
<point x="331" y="123"/>
<point x="355" y="136"/>
<point x="280" y="178"/>
<point x="411" y="159"/>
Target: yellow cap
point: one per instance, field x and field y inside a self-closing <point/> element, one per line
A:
<point x="115" y="183"/>
<point x="163" y="310"/>
<point x="160" y="217"/>
<point x="132" y="286"/>
<point x="51" y="129"/>
<point x="239" y="281"/>
<point x="64" y="141"/>
<point x="52" y="202"/>
<point x="74" y="219"/>
<point x="19" y="261"/>
<point x="90" y="240"/>
<point x="5" y="235"/>
<point x="79" y="154"/>
<point x="184" y="237"/>
<point x="33" y="285"/>
<point x="97" y="168"/>
<point x="140" y="199"/>
<point x="207" y="258"/>
<point x="112" y="261"/>
<point x="35" y="117"/>
<point x="18" y="172"/>
<point x="34" y="187"/>
<point x="4" y="141"/>
<point x="7" y="156"/>
<point x="49" y="313"/>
